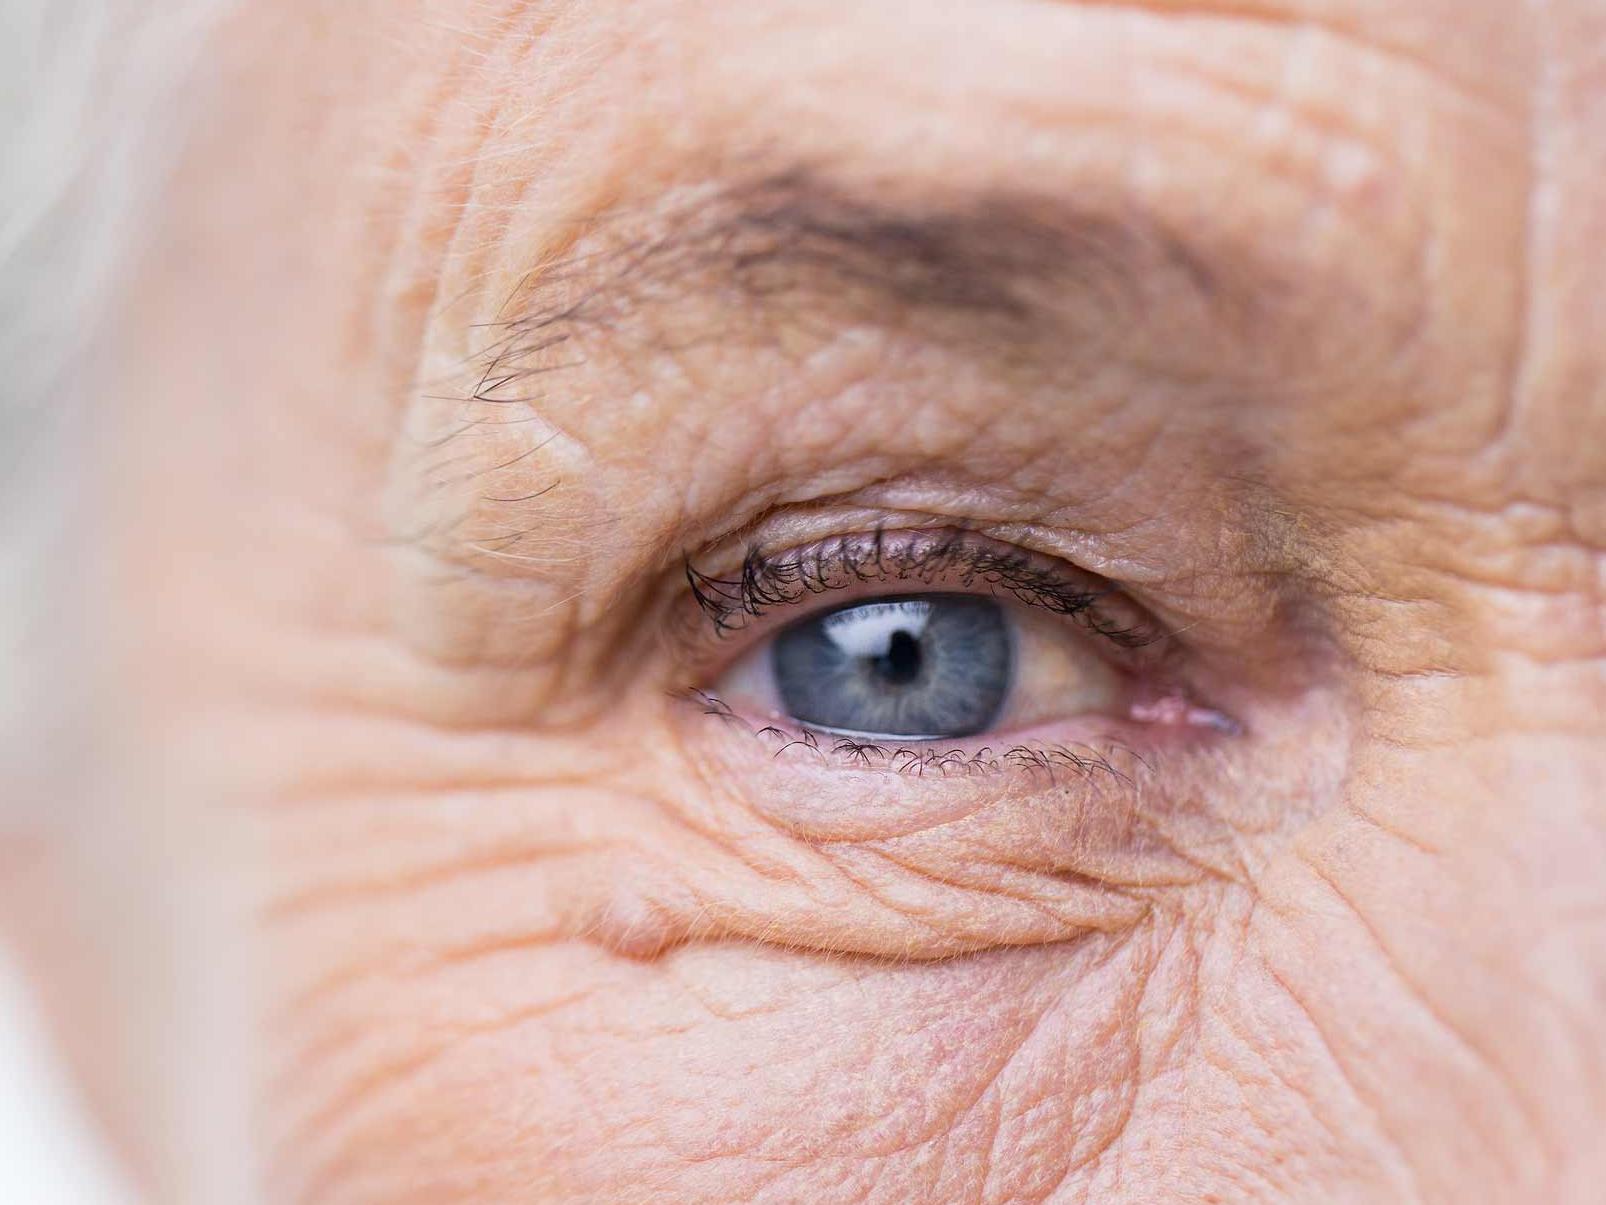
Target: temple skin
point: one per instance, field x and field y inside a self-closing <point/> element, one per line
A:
<point x="401" y="875"/>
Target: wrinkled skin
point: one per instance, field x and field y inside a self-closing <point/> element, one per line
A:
<point x="406" y="878"/>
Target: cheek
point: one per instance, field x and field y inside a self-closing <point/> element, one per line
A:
<point x="445" y="1024"/>
<point x="732" y="1072"/>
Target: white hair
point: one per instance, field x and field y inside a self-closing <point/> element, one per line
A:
<point x="88" y="92"/>
<point x="97" y="95"/>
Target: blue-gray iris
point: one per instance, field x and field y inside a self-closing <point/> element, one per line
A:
<point x="919" y="667"/>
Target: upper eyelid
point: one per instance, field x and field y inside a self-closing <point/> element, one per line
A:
<point x="766" y="580"/>
<point x="947" y="558"/>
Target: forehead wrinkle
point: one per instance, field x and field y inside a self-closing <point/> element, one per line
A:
<point x="1465" y="65"/>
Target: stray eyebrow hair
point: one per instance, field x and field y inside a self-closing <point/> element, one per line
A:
<point x="800" y="242"/>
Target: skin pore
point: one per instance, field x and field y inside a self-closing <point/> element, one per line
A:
<point x="468" y="326"/>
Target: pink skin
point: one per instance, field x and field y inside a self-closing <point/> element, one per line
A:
<point x="1174" y="710"/>
<point x="405" y="873"/>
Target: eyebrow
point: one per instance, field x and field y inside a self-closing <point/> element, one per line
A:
<point x="1020" y="262"/>
<point x="978" y="254"/>
<point x="986" y="253"/>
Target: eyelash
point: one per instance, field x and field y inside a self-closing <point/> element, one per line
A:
<point x="1084" y="762"/>
<point x="767" y="582"/>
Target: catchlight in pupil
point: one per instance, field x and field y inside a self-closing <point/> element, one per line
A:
<point x="925" y="667"/>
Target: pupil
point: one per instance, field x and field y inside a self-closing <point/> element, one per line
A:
<point x="900" y="664"/>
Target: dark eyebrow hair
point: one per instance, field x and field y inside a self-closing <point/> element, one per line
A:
<point x="1006" y="255"/>
<point x="989" y="252"/>
<point x="1013" y="266"/>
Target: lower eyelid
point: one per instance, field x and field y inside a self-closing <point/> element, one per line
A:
<point x="1045" y="804"/>
<point x="1012" y="850"/>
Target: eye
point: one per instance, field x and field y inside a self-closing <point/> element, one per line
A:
<point x="924" y="667"/>
<point x="925" y="657"/>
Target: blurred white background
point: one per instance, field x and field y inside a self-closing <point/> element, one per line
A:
<point x="48" y="1153"/>
<point x="78" y="91"/>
